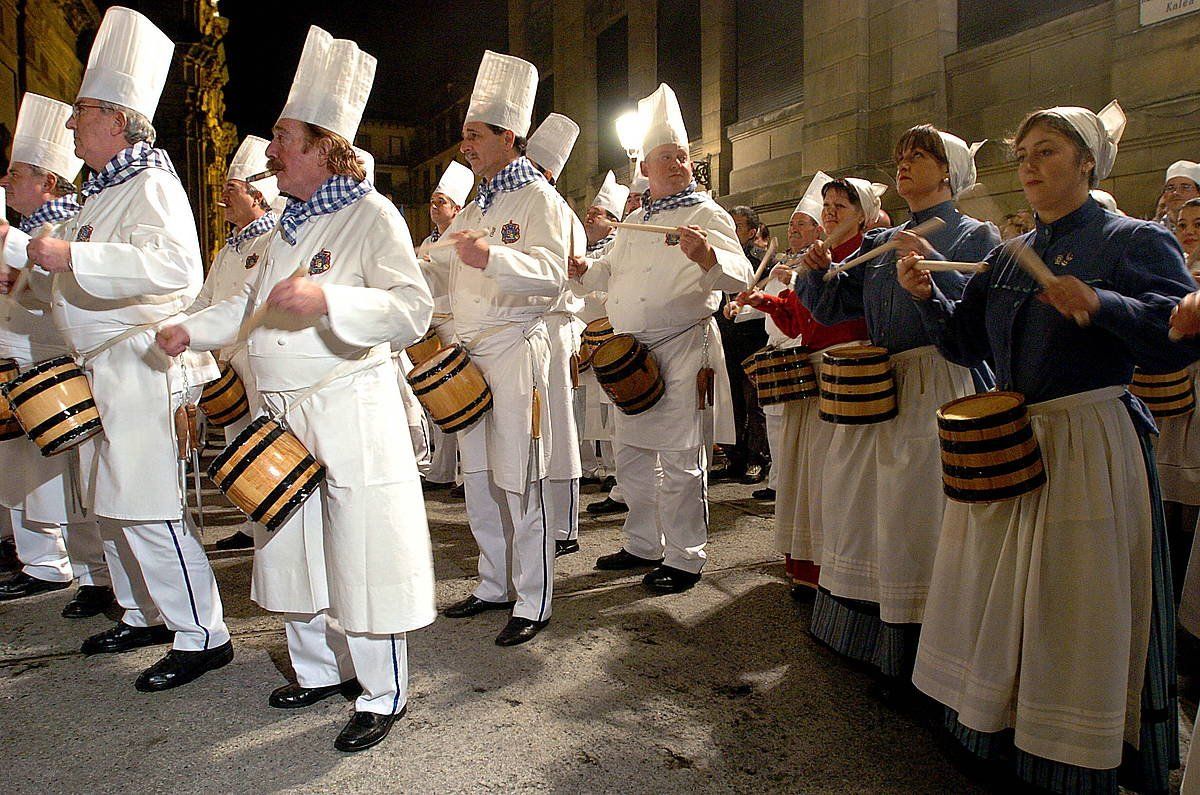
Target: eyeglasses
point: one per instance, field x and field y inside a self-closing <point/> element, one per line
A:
<point x="80" y="107"/>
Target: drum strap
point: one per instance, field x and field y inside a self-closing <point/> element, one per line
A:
<point x="86" y="357"/>
<point x="343" y="370"/>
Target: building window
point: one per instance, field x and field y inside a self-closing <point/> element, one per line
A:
<point x="770" y="55"/>
<point x="612" y="92"/>
<point x="363" y="141"/>
<point x="396" y="146"/>
<point x="679" y="56"/>
<point x="980" y="22"/>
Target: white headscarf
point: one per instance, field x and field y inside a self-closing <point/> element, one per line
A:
<point x="962" y="161"/>
<point x="869" y="196"/>
<point x="1100" y="131"/>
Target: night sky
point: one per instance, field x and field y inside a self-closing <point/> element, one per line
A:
<point x="421" y="46"/>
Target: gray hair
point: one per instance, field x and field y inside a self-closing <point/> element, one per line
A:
<point x="137" y="126"/>
<point x="62" y="185"/>
<point x="260" y="201"/>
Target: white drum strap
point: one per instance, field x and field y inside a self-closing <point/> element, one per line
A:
<point x="343" y="370"/>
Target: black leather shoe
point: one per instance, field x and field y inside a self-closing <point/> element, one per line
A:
<point x="433" y="485"/>
<point x="123" y="637"/>
<point x="565" y="548"/>
<point x="606" y="506"/>
<point x="763" y="494"/>
<point x="609" y="483"/>
<point x="473" y="607"/>
<point x="365" y="729"/>
<point x="88" y="601"/>
<point x="725" y="474"/>
<point x="518" y="631"/>
<point x="755" y="474"/>
<point x="667" y="579"/>
<point x="589" y="480"/>
<point x="180" y="667"/>
<point x="621" y="560"/>
<point x="294" y="696"/>
<point x="458" y="492"/>
<point x="8" y="555"/>
<point x="21" y="585"/>
<point x="238" y="540"/>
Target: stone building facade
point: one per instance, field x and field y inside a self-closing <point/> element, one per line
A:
<point x="784" y="88"/>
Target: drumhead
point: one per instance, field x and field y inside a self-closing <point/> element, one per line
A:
<point x="613" y="350"/>
<point x="854" y="352"/>
<point x="434" y="362"/>
<point x="986" y="404"/>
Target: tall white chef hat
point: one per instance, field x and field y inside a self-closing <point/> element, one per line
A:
<point x="368" y="162"/>
<point x="869" y="196"/>
<point x="962" y="161"/>
<point x="42" y="139"/>
<point x="1100" y="131"/>
<point x="1106" y="200"/>
<point x="505" y="88"/>
<point x="612" y="196"/>
<point x="456" y="183"/>
<point x="332" y="83"/>
<point x="250" y="159"/>
<point x="128" y="63"/>
<point x="1180" y="168"/>
<point x="812" y="201"/>
<point x="661" y="120"/>
<point x="552" y="142"/>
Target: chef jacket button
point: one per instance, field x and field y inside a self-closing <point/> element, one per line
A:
<point x="643" y="299"/>
<point x="476" y="300"/>
<point x="61" y="302"/>
<point x="281" y="341"/>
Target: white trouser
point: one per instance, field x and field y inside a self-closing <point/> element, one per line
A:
<point x="774" y="437"/>
<point x="512" y="533"/>
<point x="668" y="513"/>
<point x="421" y="449"/>
<point x="160" y="575"/>
<point x="589" y="459"/>
<point x="40" y="548"/>
<point x="562" y="508"/>
<point x="443" y="464"/>
<point x="324" y="654"/>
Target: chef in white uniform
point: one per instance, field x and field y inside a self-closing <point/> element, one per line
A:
<point x="663" y="290"/>
<point x="248" y="211"/>
<point x="352" y="585"/>
<point x="130" y="262"/>
<point x="501" y="285"/>
<point x="549" y="148"/>
<point x="447" y="199"/>
<point x="38" y="490"/>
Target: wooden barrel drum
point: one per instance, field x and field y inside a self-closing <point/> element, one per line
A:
<point x="781" y="376"/>
<point x="224" y="401"/>
<point x="989" y="452"/>
<point x="628" y="374"/>
<point x="596" y="333"/>
<point x="451" y="388"/>
<point x="266" y="472"/>
<point x="857" y="386"/>
<point x="1165" y="394"/>
<point x="54" y="404"/>
<point x="10" y="428"/>
<point x="423" y="349"/>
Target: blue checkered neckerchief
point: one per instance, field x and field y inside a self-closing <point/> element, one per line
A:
<point x="126" y="165"/>
<point x="685" y="198"/>
<point x="515" y="175"/>
<point x="259" y="226"/>
<point x="337" y="192"/>
<point x="435" y="235"/>
<point x="51" y="212"/>
<point x="601" y="243"/>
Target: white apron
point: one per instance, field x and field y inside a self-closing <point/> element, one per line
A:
<point x="563" y="330"/>
<point x="881" y="493"/>
<point x="1038" y="612"/>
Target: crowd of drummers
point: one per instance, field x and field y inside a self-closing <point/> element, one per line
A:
<point x="984" y="471"/>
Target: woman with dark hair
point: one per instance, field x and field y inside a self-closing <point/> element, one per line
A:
<point x="1049" y="626"/>
<point x="881" y="489"/>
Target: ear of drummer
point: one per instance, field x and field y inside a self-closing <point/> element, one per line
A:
<point x="173" y="340"/>
<point x="918" y="283"/>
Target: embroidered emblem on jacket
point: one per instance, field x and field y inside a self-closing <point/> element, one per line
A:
<point x="1063" y="260"/>
<point x="672" y="239"/>
<point x="510" y="233"/>
<point x="251" y="261"/>
<point x="320" y="262"/>
<point x="84" y="234"/>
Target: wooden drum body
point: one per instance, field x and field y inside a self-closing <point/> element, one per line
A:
<point x="423" y="349"/>
<point x="451" y="388"/>
<point x="224" y="401"/>
<point x="857" y="386"/>
<point x="781" y="376"/>
<point x="54" y="404"/>
<point x="989" y="452"/>
<point x="628" y="374"/>
<point x="266" y="472"/>
<point x="10" y="428"/>
<point x="595" y="334"/>
<point x="1165" y="394"/>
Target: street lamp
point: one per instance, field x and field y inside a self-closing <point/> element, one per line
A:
<point x="631" y="129"/>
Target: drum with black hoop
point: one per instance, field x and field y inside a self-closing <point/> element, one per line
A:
<point x="451" y="388"/>
<point x="224" y="401"/>
<point x="53" y="402"/>
<point x="595" y="333"/>
<point x="10" y="428"/>
<point x="421" y="350"/>
<point x="628" y="374"/>
<point x="857" y="385"/>
<point x="266" y="472"/>
<point x="784" y="375"/>
<point x="1165" y="394"/>
<point x="989" y="452"/>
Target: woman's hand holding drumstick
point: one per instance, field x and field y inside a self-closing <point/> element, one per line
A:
<point x="1071" y="297"/>
<point x="901" y="240"/>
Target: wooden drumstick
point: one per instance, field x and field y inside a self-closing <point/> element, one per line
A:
<point x="921" y="230"/>
<point x="260" y="314"/>
<point x="762" y="266"/>
<point x="451" y="242"/>
<point x="941" y="265"/>
<point x="655" y="228"/>
<point x="1032" y="264"/>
